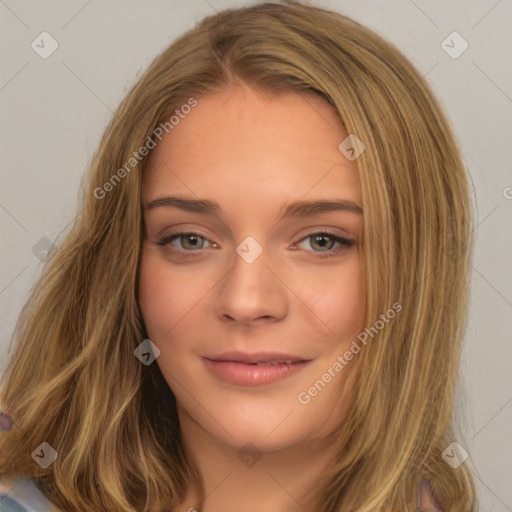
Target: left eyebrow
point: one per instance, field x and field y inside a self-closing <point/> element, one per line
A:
<point x="306" y="208"/>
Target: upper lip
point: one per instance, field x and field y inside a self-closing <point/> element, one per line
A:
<point x="257" y="357"/>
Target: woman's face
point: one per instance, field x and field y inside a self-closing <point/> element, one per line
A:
<point x="253" y="281"/>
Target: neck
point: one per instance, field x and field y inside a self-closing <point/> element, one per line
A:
<point x="289" y="479"/>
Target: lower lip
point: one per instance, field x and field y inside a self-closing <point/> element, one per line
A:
<point x="242" y="374"/>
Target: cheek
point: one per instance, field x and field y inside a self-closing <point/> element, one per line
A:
<point x="171" y="295"/>
<point x="335" y="297"/>
<point x="163" y="294"/>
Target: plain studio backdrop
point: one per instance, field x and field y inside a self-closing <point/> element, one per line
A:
<point x="58" y="95"/>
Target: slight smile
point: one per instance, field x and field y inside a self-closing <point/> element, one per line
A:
<point x="254" y="369"/>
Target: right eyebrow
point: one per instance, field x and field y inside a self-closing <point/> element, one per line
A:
<point x="190" y="205"/>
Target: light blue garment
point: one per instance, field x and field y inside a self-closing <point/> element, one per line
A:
<point x="22" y="496"/>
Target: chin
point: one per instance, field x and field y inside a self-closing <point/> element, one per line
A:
<point x="269" y="428"/>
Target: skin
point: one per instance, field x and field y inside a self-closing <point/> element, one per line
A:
<point x="252" y="153"/>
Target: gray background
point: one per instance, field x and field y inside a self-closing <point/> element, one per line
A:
<point x="54" y="111"/>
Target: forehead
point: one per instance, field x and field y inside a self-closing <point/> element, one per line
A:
<point x="241" y="143"/>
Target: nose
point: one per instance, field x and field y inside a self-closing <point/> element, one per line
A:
<point x="251" y="293"/>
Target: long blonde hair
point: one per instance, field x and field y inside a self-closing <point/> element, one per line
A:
<point x="74" y="381"/>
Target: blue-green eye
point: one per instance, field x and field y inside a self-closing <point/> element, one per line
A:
<point x="188" y="240"/>
<point x="323" y="243"/>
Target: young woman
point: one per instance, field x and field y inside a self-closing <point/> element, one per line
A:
<point x="262" y="302"/>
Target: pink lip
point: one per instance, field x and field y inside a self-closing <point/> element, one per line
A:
<point x="240" y="369"/>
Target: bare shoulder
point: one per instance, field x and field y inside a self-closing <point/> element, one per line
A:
<point x="426" y="499"/>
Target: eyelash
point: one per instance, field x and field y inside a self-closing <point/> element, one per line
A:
<point x="345" y="242"/>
